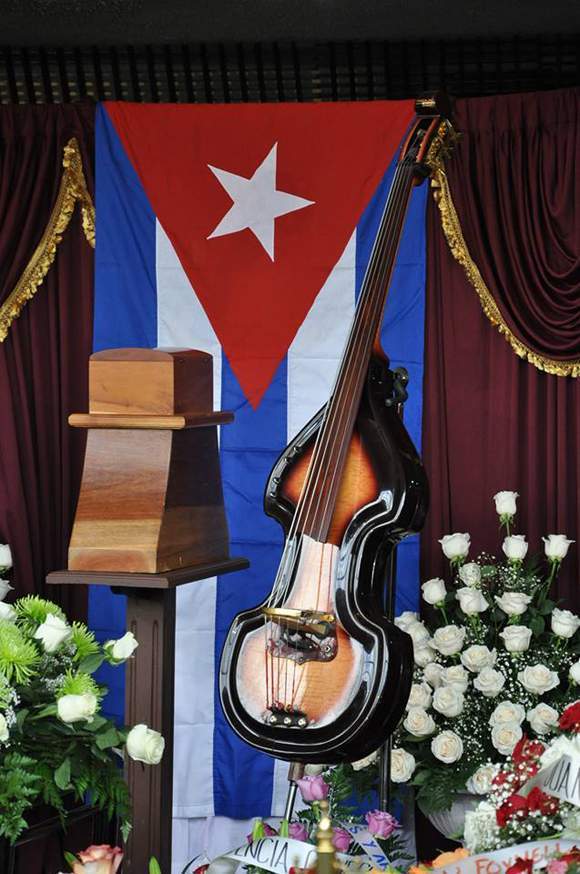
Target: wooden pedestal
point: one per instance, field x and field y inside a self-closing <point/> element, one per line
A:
<point x="149" y="694"/>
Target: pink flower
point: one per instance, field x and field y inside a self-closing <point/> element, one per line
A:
<point x="101" y="859"/>
<point x="298" y="831"/>
<point x="313" y="788"/>
<point x="557" y="866"/>
<point x="381" y="824"/>
<point x="261" y="830"/>
<point x="341" y="839"/>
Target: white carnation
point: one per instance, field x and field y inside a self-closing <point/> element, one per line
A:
<point x="481" y="828"/>
<point x="402" y="765"/>
<point x="449" y="639"/>
<point x="470" y="574"/>
<point x="505" y="736"/>
<point x="419" y="723"/>
<point x="538" y="679"/>
<point x="543" y="718"/>
<point x="489" y="682"/>
<point x="447" y="747"/>
<point x="476" y="657"/>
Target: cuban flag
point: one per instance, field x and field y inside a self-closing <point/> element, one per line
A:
<point x="244" y="231"/>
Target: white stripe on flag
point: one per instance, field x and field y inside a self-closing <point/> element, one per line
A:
<point x="313" y="360"/>
<point x="182" y="322"/>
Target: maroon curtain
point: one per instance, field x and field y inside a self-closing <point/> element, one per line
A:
<point x="491" y="420"/>
<point x="43" y="361"/>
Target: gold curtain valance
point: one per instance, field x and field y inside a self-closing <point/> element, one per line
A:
<point x="72" y="188"/>
<point x="458" y="247"/>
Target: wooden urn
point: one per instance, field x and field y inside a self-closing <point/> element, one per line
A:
<point x="151" y="497"/>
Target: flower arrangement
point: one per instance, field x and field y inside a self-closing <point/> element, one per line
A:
<point x="558" y="863"/>
<point x="54" y="740"/>
<point x="102" y="859"/>
<point x="498" y="657"/>
<point x="516" y="811"/>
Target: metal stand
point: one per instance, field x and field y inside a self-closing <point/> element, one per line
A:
<point x="295" y="772"/>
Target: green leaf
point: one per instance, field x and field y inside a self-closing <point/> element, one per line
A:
<point x="547" y="607"/>
<point x="154" y="866"/>
<point x="96" y="723"/>
<point x="126" y="829"/>
<point x="49" y="710"/>
<point x="537" y="624"/>
<point x="70" y="859"/>
<point x="62" y="775"/>
<point x="108" y="738"/>
<point x="91" y="663"/>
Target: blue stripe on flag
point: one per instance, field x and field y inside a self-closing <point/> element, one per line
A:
<point x="402" y="337"/>
<point x="249" y="447"/>
<point x="125" y="314"/>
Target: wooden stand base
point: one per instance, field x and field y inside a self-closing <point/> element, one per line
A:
<point x="149" y="693"/>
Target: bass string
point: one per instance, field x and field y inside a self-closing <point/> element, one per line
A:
<point x="365" y="304"/>
<point x="331" y="473"/>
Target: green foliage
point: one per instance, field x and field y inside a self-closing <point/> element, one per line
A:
<point x="32" y="612"/>
<point x="154" y="866"/>
<point x="437" y="788"/>
<point x="19" y="786"/>
<point x="85" y="643"/>
<point x="18" y="655"/>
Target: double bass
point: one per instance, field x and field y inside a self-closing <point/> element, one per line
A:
<point x="318" y="673"/>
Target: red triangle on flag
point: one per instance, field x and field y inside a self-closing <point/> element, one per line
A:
<point x="257" y="260"/>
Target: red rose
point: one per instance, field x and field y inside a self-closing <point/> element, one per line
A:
<point x="571" y="857"/>
<point x="526" y="750"/>
<point x="538" y="800"/>
<point x="570" y="719"/>
<point x="521" y="866"/>
<point x="511" y="807"/>
<point x="500" y="778"/>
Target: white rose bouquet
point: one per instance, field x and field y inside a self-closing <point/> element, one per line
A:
<point x="54" y="741"/>
<point x="496" y="661"/>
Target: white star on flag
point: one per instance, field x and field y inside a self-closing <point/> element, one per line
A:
<point x="256" y="202"/>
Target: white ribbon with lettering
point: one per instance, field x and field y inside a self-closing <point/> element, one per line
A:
<point x="498" y="861"/>
<point x="561" y="779"/>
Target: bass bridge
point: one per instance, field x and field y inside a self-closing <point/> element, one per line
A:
<point x="303" y="635"/>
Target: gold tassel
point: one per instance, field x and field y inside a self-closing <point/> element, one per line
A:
<point x="72" y="188"/>
<point x="458" y="247"/>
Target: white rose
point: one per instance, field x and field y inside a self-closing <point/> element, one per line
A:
<point x="5" y="587"/>
<point x="7" y="612"/>
<point x="505" y="736"/>
<point x="513" y="603"/>
<point x="434" y="591"/>
<point x="556" y="546"/>
<point x="449" y="639"/>
<point x="406" y="619"/>
<point x="516" y="638"/>
<point x="53" y="633"/>
<point x="538" y="679"/>
<point x="455" y="546"/>
<point x="314" y="770"/>
<point x="145" y="745"/>
<point x="456" y="676"/>
<point x="489" y="682"/>
<point x="471" y="601"/>
<point x="418" y="633"/>
<point x="448" y="701"/>
<point x="515" y="547"/>
<point x="4" y="733"/>
<point x="402" y="765"/>
<point x="433" y="673"/>
<point x="422" y="655"/>
<point x="507" y="711"/>
<point x="505" y="503"/>
<point x="543" y="718"/>
<point x="366" y="762"/>
<point x="73" y="708"/>
<point x="447" y="747"/>
<point x="123" y="648"/>
<point x="420" y="696"/>
<point x="470" y="574"/>
<point x="5" y="556"/>
<point x="419" y="723"/>
<point x="476" y="657"/>
<point x="480" y="783"/>
<point x="564" y="623"/>
<point x="573" y="673"/>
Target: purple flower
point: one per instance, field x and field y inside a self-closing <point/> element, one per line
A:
<point x="381" y="824"/>
<point x="313" y="788"/>
<point x="298" y="831"/>
<point x="341" y="839"/>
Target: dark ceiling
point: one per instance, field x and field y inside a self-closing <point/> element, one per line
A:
<point x="137" y="22"/>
